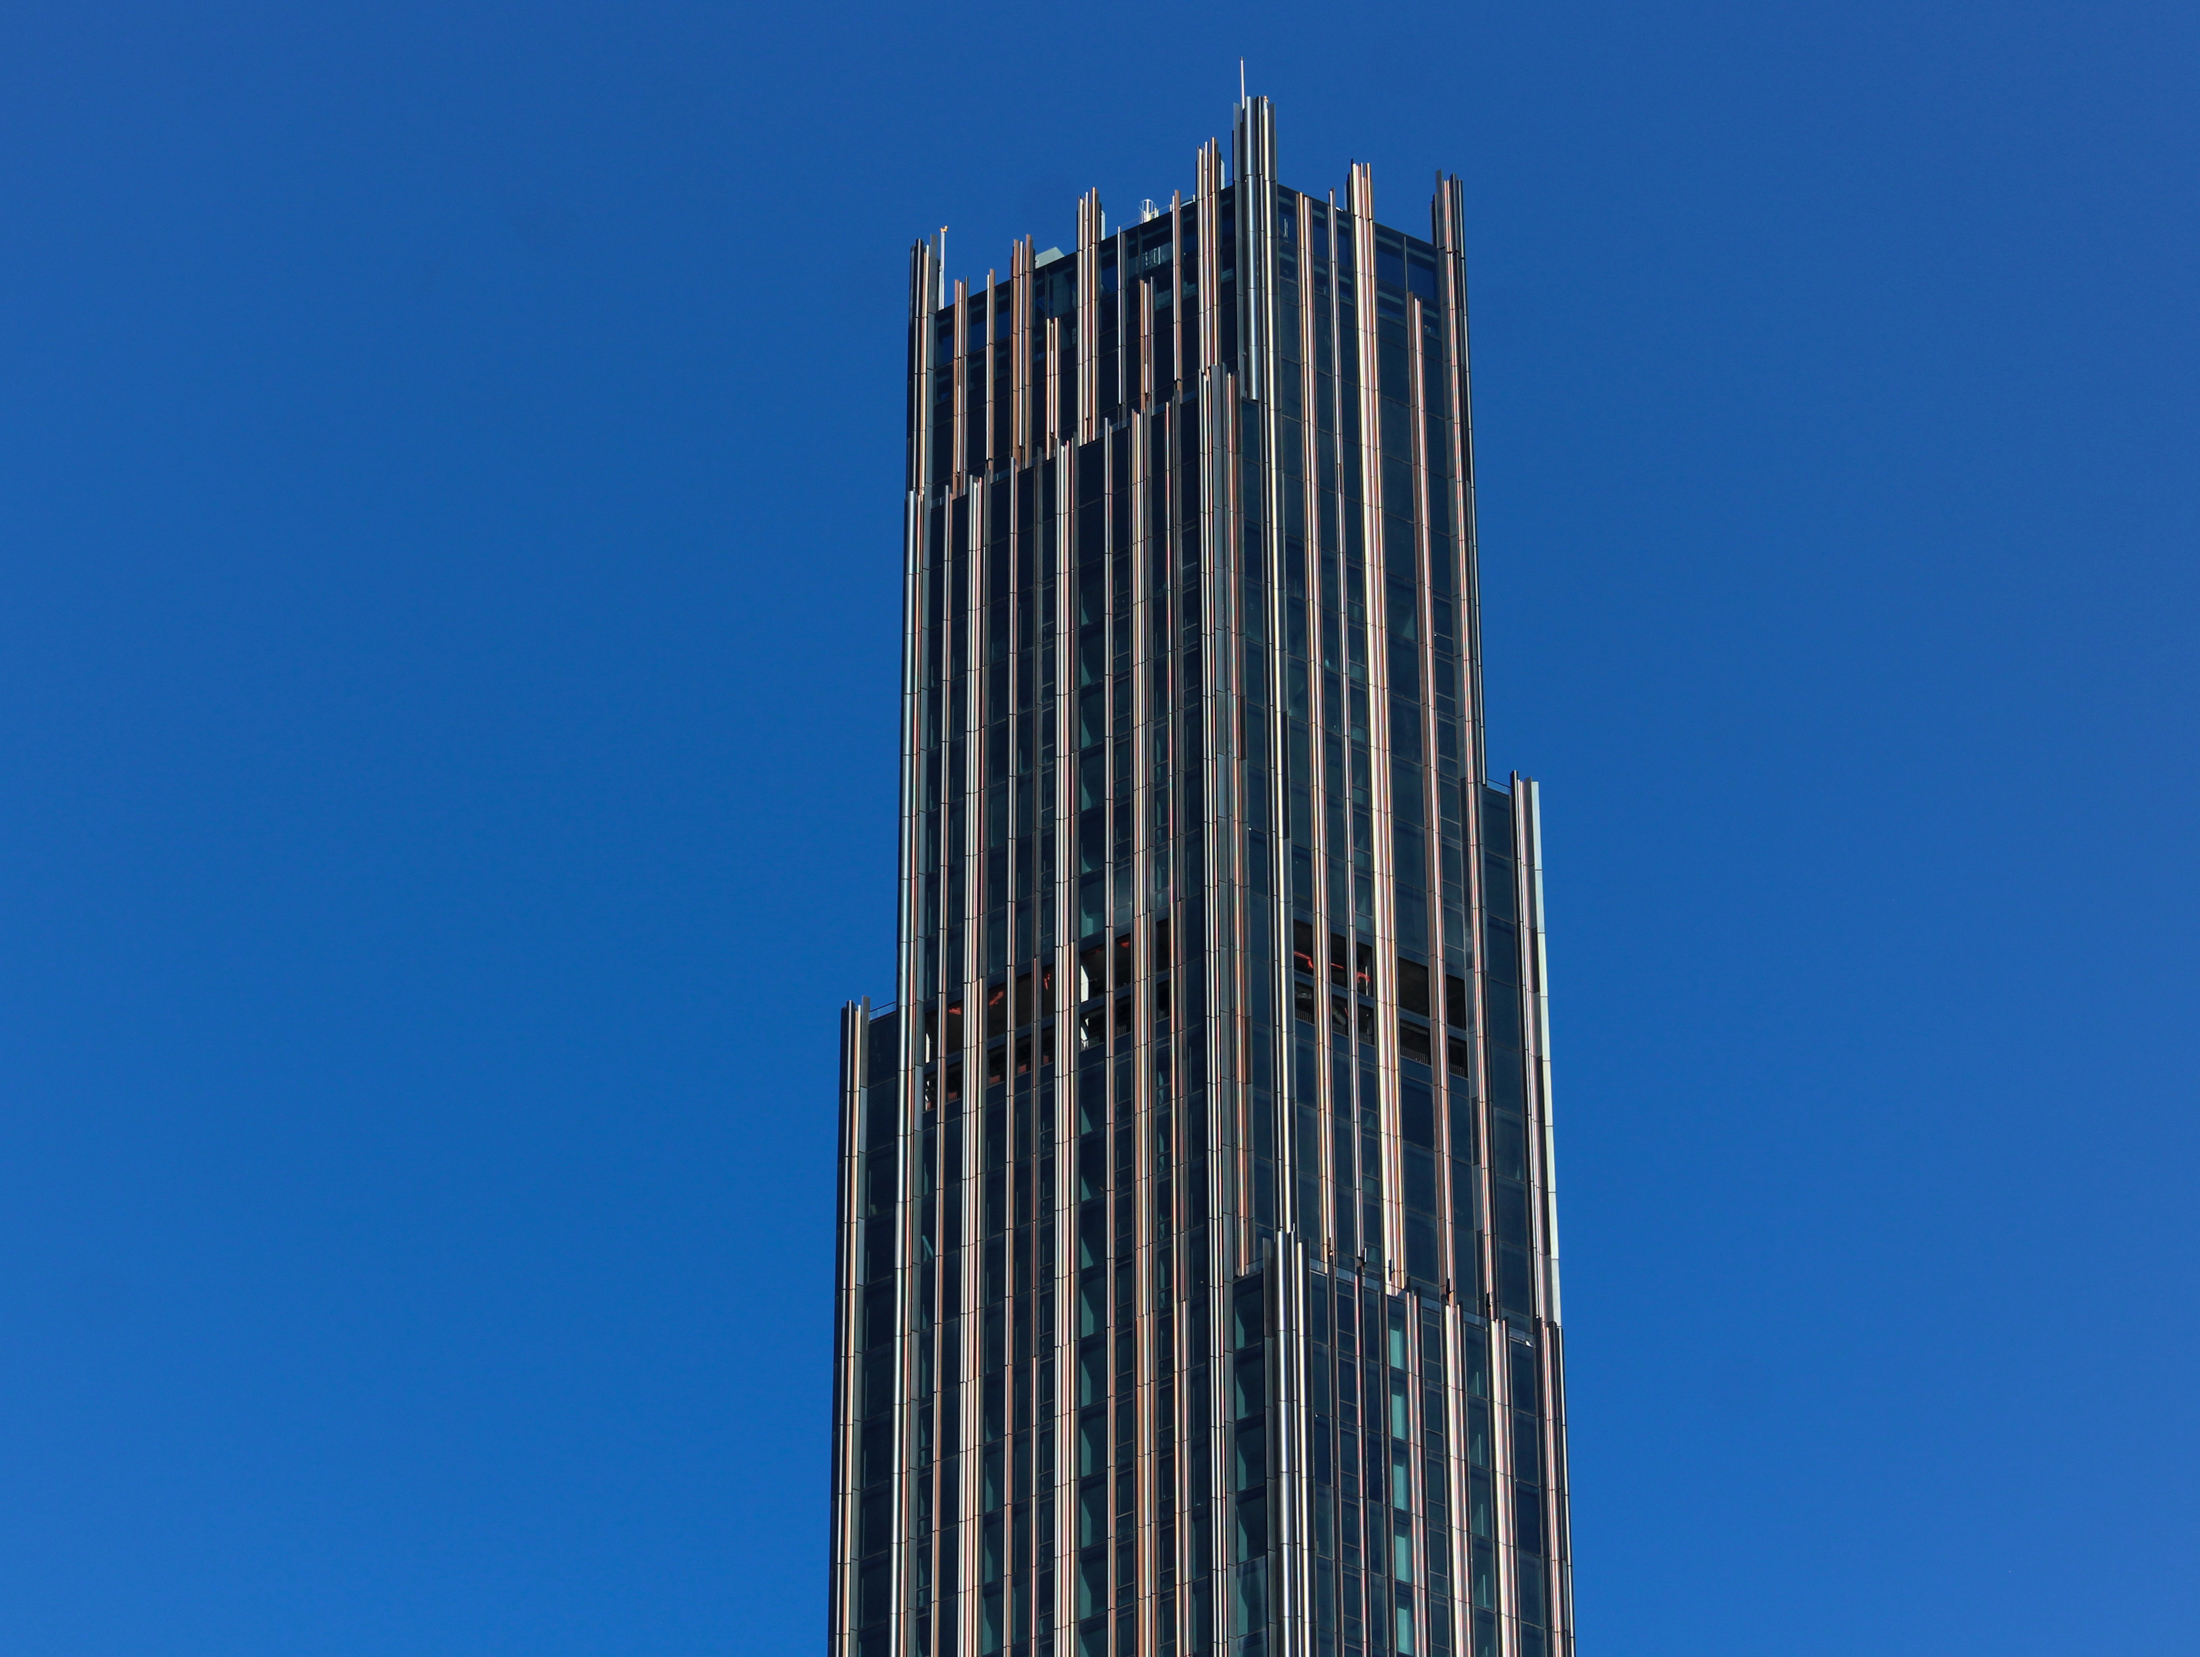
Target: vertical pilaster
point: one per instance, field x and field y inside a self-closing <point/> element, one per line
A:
<point x="1091" y="223"/>
<point x="1209" y="196"/>
<point x="1448" y="220"/>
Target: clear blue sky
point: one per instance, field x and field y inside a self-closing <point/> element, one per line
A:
<point x="449" y="467"/>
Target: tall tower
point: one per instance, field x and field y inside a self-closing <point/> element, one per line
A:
<point x="1198" y="1276"/>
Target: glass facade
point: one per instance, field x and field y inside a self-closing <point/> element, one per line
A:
<point x="1198" y="1284"/>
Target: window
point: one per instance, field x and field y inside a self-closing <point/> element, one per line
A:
<point x="1413" y="1040"/>
<point x="1524" y="1375"/>
<point x="1363" y="977"/>
<point x="1250" y="1396"/>
<point x="1497" y="831"/>
<point x="1506" y="1079"/>
<point x="1092" y="1442"/>
<point x="1510" y="1201"/>
<point x="1302" y="946"/>
<point x="1509" y="1147"/>
<point x="1338" y="960"/>
<point x="1420" y="1172"/>
<point x="1417" y="1114"/>
<point x="1504" y="1016"/>
<point x="1497" y="885"/>
<point x="1456" y="1006"/>
<point x="1531" y="1600"/>
<point x="1528" y="1519"/>
<point x="1092" y="1512"/>
<point x="1092" y="903"/>
<point x="1413" y="989"/>
<point x="1501" y="954"/>
<point x="1252" y="1454"/>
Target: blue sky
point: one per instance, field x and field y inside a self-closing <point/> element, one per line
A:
<point x="448" y="553"/>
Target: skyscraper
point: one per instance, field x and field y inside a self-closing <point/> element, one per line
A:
<point x="1198" y="1278"/>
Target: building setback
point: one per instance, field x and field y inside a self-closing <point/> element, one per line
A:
<point x="1198" y="1270"/>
